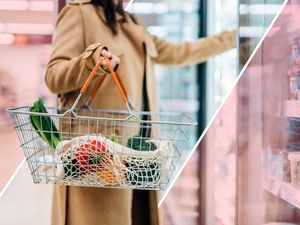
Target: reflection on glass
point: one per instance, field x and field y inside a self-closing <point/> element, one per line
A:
<point x="221" y="70"/>
<point x="255" y="16"/>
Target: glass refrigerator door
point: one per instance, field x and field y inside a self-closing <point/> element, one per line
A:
<point x="217" y="159"/>
<point x="228" y="198"/>
<point x="268" y="128"/>
<point x="255" y="16"/>
<point x="221" y="70"/>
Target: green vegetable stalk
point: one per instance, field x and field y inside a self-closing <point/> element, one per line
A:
<point x="44" y="126"/>
<point x="114" y="138"/>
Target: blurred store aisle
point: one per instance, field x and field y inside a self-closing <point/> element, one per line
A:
<point x="26" y="203"/>
<point x="19" y="85"/>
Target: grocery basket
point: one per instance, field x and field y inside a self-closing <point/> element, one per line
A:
<point x="128" y="149"/>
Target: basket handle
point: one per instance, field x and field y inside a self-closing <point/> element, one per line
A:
<point x="122" y="89"/>
<point x="95" y="89"/>
<point x="117" y="79"/>
<point x="91" y="76"/>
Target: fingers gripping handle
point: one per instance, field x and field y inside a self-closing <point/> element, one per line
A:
<point x="116" y="77"/>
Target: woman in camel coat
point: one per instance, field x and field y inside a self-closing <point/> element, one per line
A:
<point x="84" y="30"/>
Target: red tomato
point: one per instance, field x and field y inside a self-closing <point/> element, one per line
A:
<point x="88" y="153"/>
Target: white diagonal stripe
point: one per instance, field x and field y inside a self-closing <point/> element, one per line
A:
<point x="129" y="4"/>
<point x="12" y="177"/>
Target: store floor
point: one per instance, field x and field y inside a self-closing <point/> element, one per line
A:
<point x="24" y="202"/>
<point x="10" y="153"/>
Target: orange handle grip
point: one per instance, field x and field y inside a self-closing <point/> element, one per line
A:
<point x="98" y="85"/>
<point x="114" y="76"/>
<point x="122" y="84"/>
<point x="91" y="76"/>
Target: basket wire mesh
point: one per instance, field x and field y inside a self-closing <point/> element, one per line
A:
<point x="104" y="148"/>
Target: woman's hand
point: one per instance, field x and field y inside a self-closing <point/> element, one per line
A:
<point x="114" y="60"/>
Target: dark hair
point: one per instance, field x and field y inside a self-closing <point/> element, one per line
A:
<point x="110" y="10"/>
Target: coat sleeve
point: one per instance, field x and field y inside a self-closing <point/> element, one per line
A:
<point x="193" y="52"/>
<point x="70" y="63"/>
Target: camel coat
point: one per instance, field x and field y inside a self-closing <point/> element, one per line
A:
<point x="80" y="35"/>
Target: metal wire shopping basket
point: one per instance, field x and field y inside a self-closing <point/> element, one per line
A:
<point x="127" y="149"/>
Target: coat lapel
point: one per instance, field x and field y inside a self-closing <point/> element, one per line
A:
<point x="135" y="32"/>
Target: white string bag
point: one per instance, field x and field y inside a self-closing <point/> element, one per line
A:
<point x="125" y="167"/>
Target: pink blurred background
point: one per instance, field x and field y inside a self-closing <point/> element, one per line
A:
<point x="24" y="53"/>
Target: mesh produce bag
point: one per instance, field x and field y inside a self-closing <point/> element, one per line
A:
<point x="96" y="160"/>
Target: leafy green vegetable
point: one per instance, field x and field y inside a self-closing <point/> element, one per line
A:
<point x="139" y="143"/>
<point x="44" y="126"/>
<point x="146" y="173"/>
